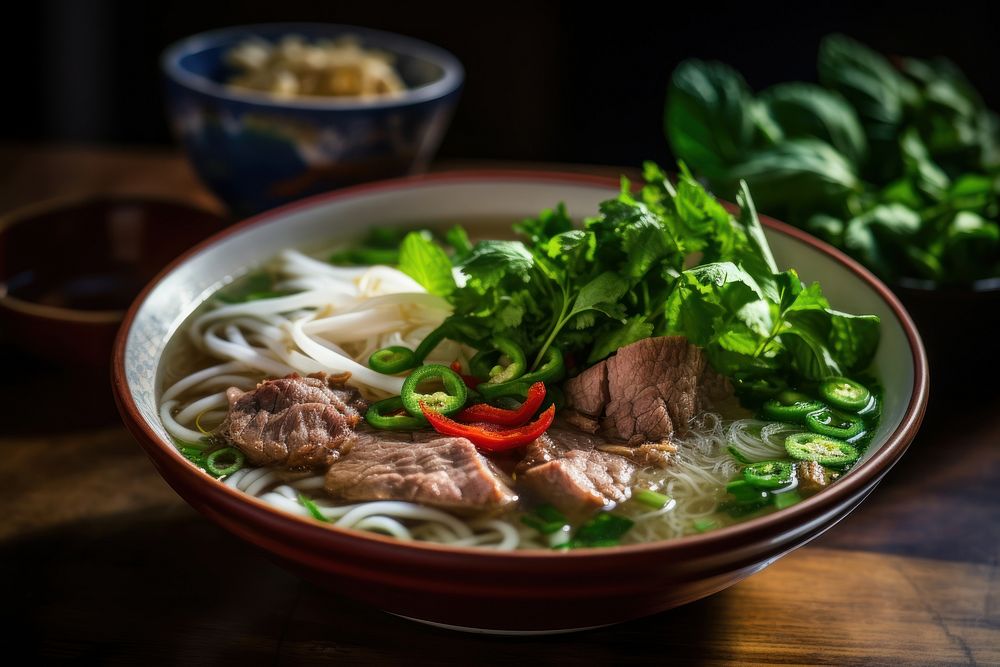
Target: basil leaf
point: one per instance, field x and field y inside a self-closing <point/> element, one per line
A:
<point x="865" y="78"/>
<point x="708" y="119"/>
<point x="873" y="237"/>
<point x="810" y="356"/>
<point x="804" y="110"/>
<point x="853" y="339"/>
<point x="754" y="253"/>
<point x="927" y="177"/>
<point x="970" y="241"/>
<point x="826" y="227"/>
<point x="426" y="262"/>
<point x="797" y="172"/>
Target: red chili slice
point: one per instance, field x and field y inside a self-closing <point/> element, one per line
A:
<point x="484" y="412"/>
<point x="490" y="437"/>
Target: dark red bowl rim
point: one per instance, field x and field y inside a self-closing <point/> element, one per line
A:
<point x="28" y="213"/>
<point x="748" y="532"/>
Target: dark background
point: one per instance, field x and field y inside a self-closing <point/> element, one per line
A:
<point x="545" y="80"/>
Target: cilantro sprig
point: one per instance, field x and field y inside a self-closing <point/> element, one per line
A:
<point x="668" y="258"/>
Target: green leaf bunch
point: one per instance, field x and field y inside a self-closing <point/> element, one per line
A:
<point x="897" y="163"/>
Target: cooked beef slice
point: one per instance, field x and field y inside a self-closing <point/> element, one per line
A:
<point x="565" y="468"/>
<point x="588" y="391"/>
<point x="295" y="422"/>
<point x="440" y="472"/>
<point x="811" y="475"/>
<point x="648" y="390"/>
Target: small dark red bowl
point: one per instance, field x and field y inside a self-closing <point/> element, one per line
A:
<point x="69" y="268"/>
<point x="480" y="589"/>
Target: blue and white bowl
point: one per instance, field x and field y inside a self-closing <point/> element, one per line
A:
<point x="256" y="151"/>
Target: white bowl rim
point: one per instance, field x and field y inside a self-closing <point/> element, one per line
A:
<point x="450" y="81"/>
<point x="863" y="477"/>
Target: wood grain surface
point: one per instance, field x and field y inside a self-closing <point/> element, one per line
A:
<point x="103" y="563"/>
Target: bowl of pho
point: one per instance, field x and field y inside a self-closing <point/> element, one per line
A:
<point x="521" y="402"/>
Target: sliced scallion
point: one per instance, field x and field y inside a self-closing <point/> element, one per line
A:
<point x="604" y="530"/>
<point x="220" y="469"/>
<point x="653" y="499"/>
<point x="705" y="525"/>
<point x="546" y="519"/>
<point x="312" y="508"/>
<point x="786" y="499"/>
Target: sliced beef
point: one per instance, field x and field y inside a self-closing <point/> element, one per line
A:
<point x="588" y="391"/>
<point x="295" y="422"/>
<point x="430" y="470"/>
<point x="648" y="390"/>
<point x="568" y="469"/>
<point x="812" y="476"/>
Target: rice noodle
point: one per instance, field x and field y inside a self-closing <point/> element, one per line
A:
<point x="336" y="320"/>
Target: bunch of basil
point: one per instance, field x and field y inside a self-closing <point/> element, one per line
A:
<point x="899" y="166"/>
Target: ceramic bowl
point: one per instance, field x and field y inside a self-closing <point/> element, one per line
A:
<point x="70" y="267"/>
<point x="256" y="151"/>
<point x="476" y="589"/>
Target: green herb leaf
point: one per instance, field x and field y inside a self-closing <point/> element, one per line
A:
<point x="458" y="239"/>
<point x="491" y="261"/>
<point x="605" y="529"/>
<point x="708" y="119"/>
<point x="804" y="110"/>
<point x="426" y="262"/>
<point x="609" y="341"/>
<point x="795" y="173"/>
<point x="865" y="78"/>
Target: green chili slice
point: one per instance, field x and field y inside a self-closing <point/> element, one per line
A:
<point x="393" y="359"/>
<point x="446" y="401"/>
<point x="834" y="424"/>
<point x="220" y="469"/>
<point x="790" y="406"/>
<point x="482" y="362"/>
<point x="390" y="415"/>
<point x="845" y="394"/>
<point x="515" y="389"/>
<point x="513" y="355"/>
<point x="768" y="474"/>
<point x="822" y="449"/>
<point x="553" y="369"/>
<point x="428" y="344"/>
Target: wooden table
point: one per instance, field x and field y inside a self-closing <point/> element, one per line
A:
<point x="103" y="562"/>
